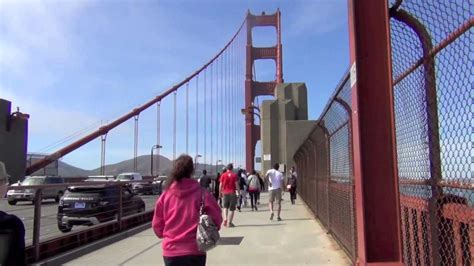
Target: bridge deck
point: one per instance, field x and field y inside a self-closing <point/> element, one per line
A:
<point x="297" y="240"/>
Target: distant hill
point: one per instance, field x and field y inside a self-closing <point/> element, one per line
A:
<point x="143" y="167"/>
<point x="68" y="170"/>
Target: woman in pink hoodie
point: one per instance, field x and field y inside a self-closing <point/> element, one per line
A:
<point x="177" y="215"/>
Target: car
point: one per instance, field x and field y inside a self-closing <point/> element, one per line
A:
<point x="160" y="184"/>
<point x="19" y="194"/>
<point x="100" y="178"/>
<point x="94" y="204"/>
<point x="140" y="186"/>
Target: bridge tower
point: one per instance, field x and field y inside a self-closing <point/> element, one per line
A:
<point x="255" y="88"/>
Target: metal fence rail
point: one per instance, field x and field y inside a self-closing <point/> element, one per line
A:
<point x="325" y="164"/>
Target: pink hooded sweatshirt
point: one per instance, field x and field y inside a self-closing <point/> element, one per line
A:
<point x="177" y="214"/>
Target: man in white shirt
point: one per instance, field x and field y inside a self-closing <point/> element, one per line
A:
<point x="275" y="186"/>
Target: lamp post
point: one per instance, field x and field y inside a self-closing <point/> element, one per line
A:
<point x="157" y="146"/>
<point x="218" y="161"/>
<point x="251" y="110"/>
<point x="196" y="161"/>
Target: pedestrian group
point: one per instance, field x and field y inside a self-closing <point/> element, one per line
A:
<point x="186" y="203"/>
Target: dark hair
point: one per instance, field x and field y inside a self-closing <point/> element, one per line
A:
<point x="254" y="172"/>
<point x="204" y="172"/>
<point x="276" y="166"/>
<point x="230" y="167"/>
<point x="183" y="167"/>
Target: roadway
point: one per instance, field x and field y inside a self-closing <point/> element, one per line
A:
<point x="49" y="208"/>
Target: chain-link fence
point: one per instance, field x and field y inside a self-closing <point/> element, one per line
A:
<point x="325" y="165"/>
<point x="433" y="75"/>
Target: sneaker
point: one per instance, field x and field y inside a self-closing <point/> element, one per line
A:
<point x="271" y="216"/>
<point x="231" y="225"/>
<point x="279" y="219"/>
<point x="225" y="222"/>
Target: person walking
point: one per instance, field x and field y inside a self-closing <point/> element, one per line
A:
<point x="176" y="215"/>
<point x="262" y="187"/>
<point x="292" y="185"/>
<point x="254" y="189"/>
<point x="275" y="186"/>
<point x="243" y="189"/>
<point x="205" y="181"/>
<point x="12" y="234"/>
<point x="229" y="189"/>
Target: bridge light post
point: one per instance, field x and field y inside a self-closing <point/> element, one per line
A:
<point x="218" y="161"/>
<point x="157" y="146"/>
<point x="250" y="110"/>
<point x="196" y="161"/>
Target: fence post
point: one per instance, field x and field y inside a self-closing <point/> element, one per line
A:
<point x="375" y="166"/>
<point x="37" y="223"/>
<point x="348" y="110"/>
<point x="120" y="209"/>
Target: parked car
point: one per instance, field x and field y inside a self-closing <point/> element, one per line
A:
<point x="144" y="187"/>
<point x="101" y="178"/>
<point x="93" y="204"/>
<point x="19" y="194"/>
<point x="160" y="184"/>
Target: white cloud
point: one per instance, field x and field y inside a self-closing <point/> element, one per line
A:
<point x="34" y="34"/>
<point x="317" y="17"/>
<point x="50" y="121"/>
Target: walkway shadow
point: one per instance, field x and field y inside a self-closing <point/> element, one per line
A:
<point x="230" y="240"/>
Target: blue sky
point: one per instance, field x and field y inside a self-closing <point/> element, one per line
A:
<point x="73" y="65"/>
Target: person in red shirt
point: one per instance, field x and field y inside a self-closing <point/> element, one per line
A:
<point x="229" y="189"/>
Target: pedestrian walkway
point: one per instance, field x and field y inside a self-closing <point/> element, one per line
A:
<point x="297" y="240"/>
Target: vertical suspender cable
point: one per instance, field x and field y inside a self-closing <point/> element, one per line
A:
<point x="232" y="113"/>
<point x="205" y="118"/>
<point x="235" y="106"/>
<point x="221" y="114"/>
<point x="158" y="129"/>
<point x="222" y="125"/>
<point x="226" y="67"/>
<point x="187" y="118"/>
<point x="174" y="124"/>
<point x="197" y="118"/>
<point x="135" y="145"/>
<point x="242" y="86"/>
<point x="212" y="119"/>
<point x="217" y="121"/>
<point x="229" y="109"/>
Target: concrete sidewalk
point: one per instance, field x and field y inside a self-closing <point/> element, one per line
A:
<point x="297" y="240"/>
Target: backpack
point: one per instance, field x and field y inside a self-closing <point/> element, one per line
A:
<point x="254" y="183"/>
<point x="242" y="183"/>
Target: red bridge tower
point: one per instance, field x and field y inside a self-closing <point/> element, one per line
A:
<point x="255" y="88"/>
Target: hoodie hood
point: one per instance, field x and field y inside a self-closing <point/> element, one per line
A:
<point x="183" y="188"/>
